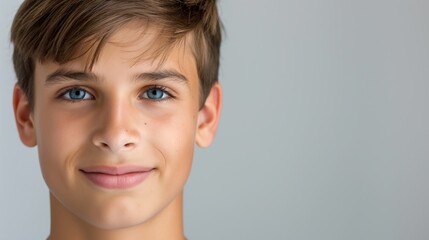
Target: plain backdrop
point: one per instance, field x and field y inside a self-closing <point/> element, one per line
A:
<point x="324" y="132"/>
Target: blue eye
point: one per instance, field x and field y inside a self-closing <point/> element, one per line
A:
<point x="156" y="93"/>
<point x="77" y="94"/>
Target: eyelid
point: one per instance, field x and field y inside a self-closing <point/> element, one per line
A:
<point x="64" y="91"/>
<point x="165" y="89"/>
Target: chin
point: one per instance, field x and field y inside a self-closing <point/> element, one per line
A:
<point x="120" y="221"/>
<point x="118" y="215"/>
<point x="117" y="224"/>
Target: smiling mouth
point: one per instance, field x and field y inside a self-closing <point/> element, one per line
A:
<point x="116" y="177"/>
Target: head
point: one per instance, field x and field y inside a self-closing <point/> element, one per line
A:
<point x="108" y="86"/>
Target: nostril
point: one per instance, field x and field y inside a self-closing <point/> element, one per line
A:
<point x="115" y="142"/>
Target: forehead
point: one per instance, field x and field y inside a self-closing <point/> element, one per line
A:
<point x="137" y="43"/>
<point x="136" y="48"/>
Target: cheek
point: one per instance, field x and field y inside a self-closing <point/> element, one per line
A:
<point x="175" y="139"/>
<point x="59" y="142"/>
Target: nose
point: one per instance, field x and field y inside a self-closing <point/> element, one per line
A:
<point x="116" y="130"/>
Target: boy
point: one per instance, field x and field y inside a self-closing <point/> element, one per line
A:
<point x="115" y="94"/>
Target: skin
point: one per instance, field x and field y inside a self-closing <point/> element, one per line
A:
<point x="118" y="122"/>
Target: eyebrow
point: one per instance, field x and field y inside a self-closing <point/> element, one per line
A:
<point x="161" y="74"/>
<point x="62" y="75"/>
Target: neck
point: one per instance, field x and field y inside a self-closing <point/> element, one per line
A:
<point x="166" y="225"/>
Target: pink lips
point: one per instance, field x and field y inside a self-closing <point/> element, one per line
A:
<point x="116" y="177"/>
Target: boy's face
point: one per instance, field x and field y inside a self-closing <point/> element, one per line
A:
<point x="141" y="119"/>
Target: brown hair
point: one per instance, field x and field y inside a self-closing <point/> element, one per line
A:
<point x="56" y="30"/>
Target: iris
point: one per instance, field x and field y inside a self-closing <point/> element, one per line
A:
<point x="155" y="94"/>
<point x="77" y="94"/>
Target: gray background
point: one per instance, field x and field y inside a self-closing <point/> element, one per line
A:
<point x="324" y="133"/>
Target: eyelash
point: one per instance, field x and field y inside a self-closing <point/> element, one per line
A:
<point x="145" y="91"/>
<point x="63" y="94"/>
<point x="165" y="91"/>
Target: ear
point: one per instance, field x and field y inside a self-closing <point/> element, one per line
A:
<point x="208" y="117"/>
<point x="23" y="117"/>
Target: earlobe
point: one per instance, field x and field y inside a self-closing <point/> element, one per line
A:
<point x="23" y="117"/>
<point x="208" y="117"/>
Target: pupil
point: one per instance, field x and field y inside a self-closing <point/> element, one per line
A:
<point x="155" y="93"/>
<point x="77" y="93"/>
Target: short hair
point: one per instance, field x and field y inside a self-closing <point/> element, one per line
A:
<point x="60" y="30"/>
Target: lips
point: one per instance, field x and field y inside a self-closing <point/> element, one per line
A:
<point x="116" y="177"/>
